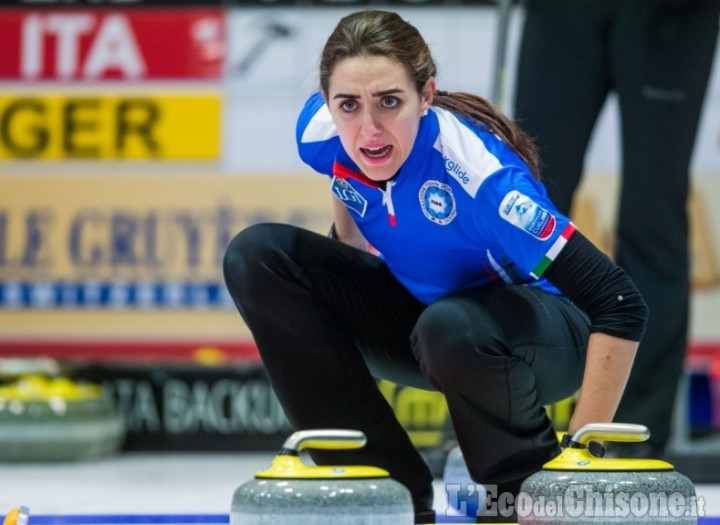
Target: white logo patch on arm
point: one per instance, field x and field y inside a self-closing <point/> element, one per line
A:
<point x="523" y="212"/>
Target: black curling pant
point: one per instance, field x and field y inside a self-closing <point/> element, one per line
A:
<point x="656" y="56"/>
<point x="328" y="319"/>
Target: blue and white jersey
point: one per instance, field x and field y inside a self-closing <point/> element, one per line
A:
<point x="464" y="210"/>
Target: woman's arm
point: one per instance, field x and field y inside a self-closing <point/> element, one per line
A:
<point x="617" y="315"/>
<point x="345" y="228"/>
<point x="609" y="360"/>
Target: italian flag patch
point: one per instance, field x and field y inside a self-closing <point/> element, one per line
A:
<point x="554" y="250"/>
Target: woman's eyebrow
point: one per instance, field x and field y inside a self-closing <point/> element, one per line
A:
<point x="376" y="94"/>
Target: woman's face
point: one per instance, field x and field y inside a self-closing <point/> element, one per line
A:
<point x="377" y="112"/>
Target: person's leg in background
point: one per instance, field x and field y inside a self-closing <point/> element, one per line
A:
<point x="562" y="83"/>
<point x="661" y="57"/>
<point x="311" y="303"/>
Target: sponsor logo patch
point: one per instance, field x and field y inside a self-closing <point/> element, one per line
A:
<point x="454" y="169"/>
<point x="437" y="202"/>
<point x="349" y="196"/>
<point x="523" y="212"/>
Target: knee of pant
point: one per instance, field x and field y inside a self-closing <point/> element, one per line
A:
<point x="246" y="255"/>
<point x="446" y="335"/>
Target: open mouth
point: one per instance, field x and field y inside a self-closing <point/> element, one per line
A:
<point x="377" y="153"/>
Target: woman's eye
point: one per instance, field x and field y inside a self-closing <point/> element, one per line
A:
<point x="390" y="102"/>
<point x="348" y="106"/>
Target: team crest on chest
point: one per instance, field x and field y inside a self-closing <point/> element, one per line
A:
<point x="437" y="202"/>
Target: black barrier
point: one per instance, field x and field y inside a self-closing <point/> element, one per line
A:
<point x="189" y="407"/>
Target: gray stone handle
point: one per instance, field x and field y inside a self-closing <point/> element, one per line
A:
<point x="624" y="432"/>
<point x="328" y="439"/>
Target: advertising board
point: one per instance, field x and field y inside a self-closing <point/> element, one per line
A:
<point x="111" y="44"/>
<point x="146" y="125"/>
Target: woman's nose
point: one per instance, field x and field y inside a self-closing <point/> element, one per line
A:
<point x="370" y="124"/>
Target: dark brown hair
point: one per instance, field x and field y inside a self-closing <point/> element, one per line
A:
<point x="383" y="33"/>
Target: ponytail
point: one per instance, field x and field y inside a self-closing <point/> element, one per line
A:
<point x="480" y="110"/>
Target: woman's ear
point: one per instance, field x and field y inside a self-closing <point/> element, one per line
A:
<point x="428" y="93"/>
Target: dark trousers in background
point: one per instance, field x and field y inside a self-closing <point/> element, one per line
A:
<point x="329" y="319"/>
<point x="656" y="55"/>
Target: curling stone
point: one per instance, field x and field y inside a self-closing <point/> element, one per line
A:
<point x="580" y="488"/>
<point x="57" y="419"/>
<point x="17" y="516"/>
<point x="464" y="496"/>
<point x="292" y="492"/>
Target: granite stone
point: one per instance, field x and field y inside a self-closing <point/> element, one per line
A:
<point x="555" y="497"/>
<point x="347" y="501"/>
